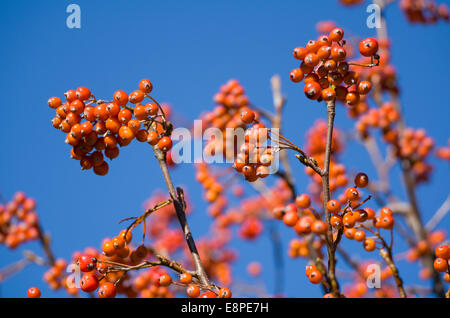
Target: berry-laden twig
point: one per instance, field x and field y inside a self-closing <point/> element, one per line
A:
<point x="386" y="254"/>
<point x="414" y="217"/>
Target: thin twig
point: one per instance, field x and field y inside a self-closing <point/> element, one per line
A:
<point x="179" y="205"/>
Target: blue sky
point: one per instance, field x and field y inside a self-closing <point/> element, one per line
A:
<point x="187" y="49"/>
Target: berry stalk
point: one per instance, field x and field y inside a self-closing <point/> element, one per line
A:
<point x="326" y="197"/>
<point x="179" y="205"/>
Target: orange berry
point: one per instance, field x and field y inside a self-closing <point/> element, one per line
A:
<point x="336" y="35"/>
<point x="352" y="194"/>
<point x="443" y="251"/>
<point x="121" y="98"/>
<point x="186" y="278"/>
<point x="165" y="280"/>
<point x="360" y="235"/>
<point x="361" y="180"/>
<point x="145" y="86"/>
<point x="333" y="206"/>
<point x="369" y="245"/>
<point x="54" y="102"/>
<point x="441" y="265"/>
<point x="83" y="93"/>
<point x="368" y="47"/>
<point x="124" y="116"/>
<point x="319" y="227"/>
<point x="136" y="97"/>
<point x="290" y="218"/>
<point x="224" y="293"/>
<point x="193" y="291"/>
<point x="296" y="75"/>
<point x="315" y="277"/>
<point x="128" y="237"/>
<point x="303" y="201"/>
<point x="247" y="116"/>
<point x="107" y="290"/>
<point x="165" y="144"/>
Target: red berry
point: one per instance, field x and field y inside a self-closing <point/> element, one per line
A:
<point x="54" y="102"/>
<point x="361" y="180"/>
<point x="86" y="262"/>
<point x="303" y="201"/>
<point x="34" y="292"/>
<point x="89" y="283"/>
<point x="352" y="194"/>
<point x="333" y="206"/>
<point x="107" y="290"/>
<point x="336" y="35"/>
<point x="208" y="294"/>
<point x="83" y="93"/>
<point x="193" y="291"/>
<point x="368" y="47"/>
<point x="312" y="90"/>
<point x="247" y="116"/>
<point x="121" y="98"/>
<point x="145" y="86"/>
<point x="165" y="280"/>
<point x="165" y="144"/>
<point x="225" y="293"/>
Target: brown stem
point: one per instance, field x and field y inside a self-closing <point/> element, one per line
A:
<point x="179" y="205"/>
<point x="331" y="249"/>
<point x="45" y="242"/>
<point x="387" y="256"/>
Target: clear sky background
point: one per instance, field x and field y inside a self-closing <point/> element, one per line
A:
<point x="187" y="49"/>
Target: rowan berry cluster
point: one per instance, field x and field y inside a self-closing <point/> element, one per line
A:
<point x="19" y="222"/>
<point x="96" y="128"/>
<point x="442" y="262"/>
<point x="255" y="157"/>
<point x="56" y="277"/>
<point x="305" y="221"/>
<point x="230" y="102"/>
<point x="416" y="146"/>
<point x="423" y="248"/>
<point x="424" y="11"/>
<point x="326" y="72"/>
<point x="383" y="118"/>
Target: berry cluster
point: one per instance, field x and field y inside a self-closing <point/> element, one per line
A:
<point x="382" y="118"/>
<point x="96" y="128"/>
<point x="314" y="275"/>
<point x="442" y="261"/>
<point x="56" y="277"/>
<point x="416" y="146"/>
<point x="301" y="248"/>
<point x="326" y="72"/>
<point x="424" y="11"/>
<point x="255" y="157"/>
<point x="230" y="101"/>
<point x="19" y="223"/>
<point x="305" y="221"/>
